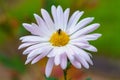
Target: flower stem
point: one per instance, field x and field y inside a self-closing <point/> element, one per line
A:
<point x="65" y="74"/>
<point x="65" y="71"/>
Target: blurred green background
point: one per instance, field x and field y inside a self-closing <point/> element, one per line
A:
<point x="15" y="12"/>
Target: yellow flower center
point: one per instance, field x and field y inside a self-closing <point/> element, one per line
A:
<point x="59" y="38"/>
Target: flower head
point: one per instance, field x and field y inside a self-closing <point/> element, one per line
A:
<point x="60" y="39"/>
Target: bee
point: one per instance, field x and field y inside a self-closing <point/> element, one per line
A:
<point x="59" y="31"/>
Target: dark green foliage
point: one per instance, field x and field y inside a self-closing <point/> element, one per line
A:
<point x="88" y="79"/>
<point x="50" y="78"/>
<point x="14" y="63"/>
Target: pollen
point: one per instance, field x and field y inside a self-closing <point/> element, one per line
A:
<point x="59" y="38"/>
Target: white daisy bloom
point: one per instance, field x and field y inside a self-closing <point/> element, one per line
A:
<point x="60" y="39"/>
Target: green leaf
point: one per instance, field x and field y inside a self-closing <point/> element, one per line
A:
<point x="50" y="78"/>
<point x="88" y="79"/>
<point x="14" y="63"/>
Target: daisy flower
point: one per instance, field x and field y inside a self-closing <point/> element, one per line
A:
<point x="60" y="38"/>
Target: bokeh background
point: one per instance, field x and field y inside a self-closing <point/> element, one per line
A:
<point x="106" y="61"/>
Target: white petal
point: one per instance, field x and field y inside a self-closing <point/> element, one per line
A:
<point x="66" y="16"/>
<point x="90" y="48"/>
<point x="85" y="30"/>
<point x="42" y="31"/>
<point x="57" y="59"/>
<point x="89" y="28"/>
<point x="30" y="36"/>
<point x="54" y="14"/>
<point x="90" y="37"/>
<point x="63" y="63"/>
<point x="72" y="59"/>
<point x="41" y="23"/>
<point x="82" y="54"/>
<point x="85" y="56"/>
<point x="79" y="40"/>
<point x="69" y="53"/>
<point x="47" y="19"/>
<point x="29" y="49"/>
<point x="75" y="19"/>
<point x="82" y="61"/>
<point x="26" y="45"/>
<point x="70" y="56"/>
<point x="38" y="51"/>
<point x="87" y="37"/>
<point x="49" y="67"/>
<point x="34" y="39"/>
<point x="29" y="60"/>
<point x="71" y="20"/>
<point x="38" y="58"/>
<point x="45" y="52"/>
<point x="39" y="20"/>
<point x="58" y="53"/>
<point x="52" y="53"/>
<point x="84" y="45"/>
<point x="82" y="57"/>
<point x="76" y="64"/>
<point x="80" y="44"/>
<point x="33" y="29"/>
<point x="60" y="17"/>
<point x="84" y="22"/>
<point x="80" y="25"/>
